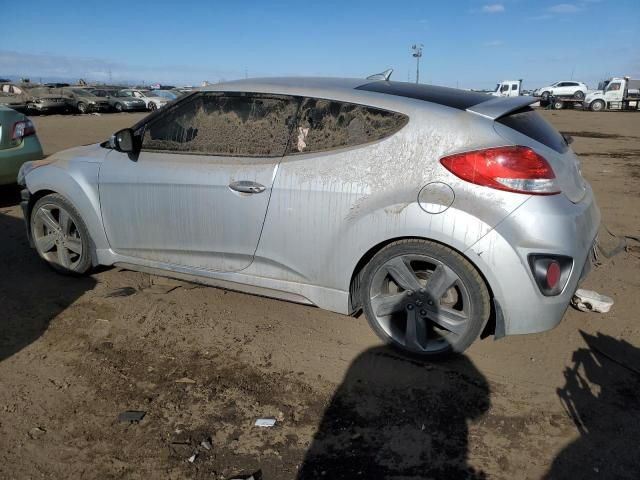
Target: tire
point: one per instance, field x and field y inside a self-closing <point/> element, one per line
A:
<point x="118" y="107"/>
<point x="545" y="96"/>
<point x="31" y="109"/>
<point x="410" y="317"/>
<point x="82" y="107"/>
<point x="63" y="242"/>
<point x="152" y="106"/>
<point x="579" y="95"/>
<point x="597" y="106"/>
<point x="558" y="104"/>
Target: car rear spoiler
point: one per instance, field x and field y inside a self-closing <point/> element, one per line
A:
<point x="500" y="106"/>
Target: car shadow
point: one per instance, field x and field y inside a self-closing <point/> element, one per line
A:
<point x="395" y="416"/>
<point x="31" y="294"/>
<point x="602" y="396"/>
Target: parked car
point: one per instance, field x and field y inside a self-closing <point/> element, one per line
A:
<point x="18" y="144"/>
<point x="121" y="101"/>
<point x="432" y="210"/>
<point x="150" y="98"/>
<point x="577" y="90"/>
<point x="31" y="100"/>
<point x="83" y="101"/>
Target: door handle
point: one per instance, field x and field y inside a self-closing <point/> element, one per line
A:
<point x="247" y="186"/>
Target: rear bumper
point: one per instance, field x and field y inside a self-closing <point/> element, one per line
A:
<point x="542" y="225"/>
<point x="11" y="159"/>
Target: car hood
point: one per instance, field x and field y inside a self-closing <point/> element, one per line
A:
<point x="93" y="153"/>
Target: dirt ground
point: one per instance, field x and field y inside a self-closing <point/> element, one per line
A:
<point x="204" y="363"/>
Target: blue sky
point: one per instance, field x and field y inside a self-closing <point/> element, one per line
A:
<point x="470" y="44"/>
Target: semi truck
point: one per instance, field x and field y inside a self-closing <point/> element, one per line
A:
<point x="617" y="93"/>
<point x="508" y="88"/>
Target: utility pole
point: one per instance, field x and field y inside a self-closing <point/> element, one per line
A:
<point x="417" y="54"/>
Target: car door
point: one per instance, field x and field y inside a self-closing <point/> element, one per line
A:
<point x="198" y="192"/>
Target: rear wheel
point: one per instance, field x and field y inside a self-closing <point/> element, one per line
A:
<point x="424" y="298"/>
<point x="61" y="238"/>
<point x="558" y="105"/>
<point x="579" y="95"/>
<point x="545" y="96"/>
<point x="597" y="105"/>
<point x="118" y="107"/>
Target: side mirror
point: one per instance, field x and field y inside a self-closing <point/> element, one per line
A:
<point x="124" y="141"/>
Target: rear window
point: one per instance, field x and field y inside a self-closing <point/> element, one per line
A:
<point x="449" y="97"/>
<point x="529" y="123"/>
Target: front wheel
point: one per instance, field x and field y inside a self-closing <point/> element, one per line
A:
<point x="545" y="96"/>
<point x="82" y="107"/>
<point x="424" y="298"/>
<point x="118" y="107"/>
<point x="597" y="106"/>
<point x="60" y="235"/>
<point x="152" y="106"/>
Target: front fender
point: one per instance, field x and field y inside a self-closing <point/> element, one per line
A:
<point x="78" y="185"/>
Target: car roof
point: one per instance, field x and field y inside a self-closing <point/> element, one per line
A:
<point x="356" y="88"/>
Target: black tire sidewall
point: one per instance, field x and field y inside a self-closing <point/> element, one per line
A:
<point x="87" y="252"/>
<point x="82" y="108"/>
<point x="479" y="300"/>
<point x="118" y="108"/>
<point x="597" y="102"/>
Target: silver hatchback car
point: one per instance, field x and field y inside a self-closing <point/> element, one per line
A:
<point x="441" y="214"/>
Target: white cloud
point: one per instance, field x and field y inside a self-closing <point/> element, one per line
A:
<point x="565" y="8"/>
<point x="493" y="43"/>
<point x="493" y="8"/>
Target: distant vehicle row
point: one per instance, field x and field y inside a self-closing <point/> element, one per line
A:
<point x="81" y="99"/>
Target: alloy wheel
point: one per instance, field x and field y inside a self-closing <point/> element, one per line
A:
<point x="420" y="303"/>
<point x="56" y="236"/>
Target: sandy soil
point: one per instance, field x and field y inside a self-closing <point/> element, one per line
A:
<point x="204" y="363"/>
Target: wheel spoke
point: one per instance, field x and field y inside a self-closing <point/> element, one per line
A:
<point x="64" y="220"/>
<point x="440" y="281"/>
<point x="384" y="305"/>
<point x="63" y="257"/>
<point x="416" y="332"/>
<point x="46" y="242"/>
<point x="74" y="244"/>
<point x="453" y="320"/>
<point x="48" y="220"/>
<point x="402" y="274"/>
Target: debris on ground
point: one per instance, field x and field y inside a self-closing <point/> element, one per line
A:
<point x="185" y="380"/>
<point x="131" y="416"/>
<point x="265" y="422"/>
<point x="247" y="476"/>
<point x="121" y="292"/>
<point x="36" y="433"/>
<point x="206" y="444"/>
<point x="590" y="301"/>
<point x="160" y="289"/>
<point x="192" y="458"/>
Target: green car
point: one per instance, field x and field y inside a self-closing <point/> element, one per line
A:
<point x="18" y="144"/>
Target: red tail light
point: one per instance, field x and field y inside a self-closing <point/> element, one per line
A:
<point x="23" y="129"/>
<point x="514" y="169"/>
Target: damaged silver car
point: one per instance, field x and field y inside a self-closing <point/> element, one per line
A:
<point x="438" y="213"/>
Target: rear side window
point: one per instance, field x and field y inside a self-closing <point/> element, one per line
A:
<point x="326" y="124"/>
<point x="529" y="123"/>
<point x="226" y="125"/>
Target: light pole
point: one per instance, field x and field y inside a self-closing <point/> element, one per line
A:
<point x="417" y="53"/>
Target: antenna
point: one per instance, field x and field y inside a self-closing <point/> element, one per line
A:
<point x="381" y="76"/>
<point x="417" y="54"/>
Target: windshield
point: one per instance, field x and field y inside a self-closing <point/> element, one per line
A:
<point x="165" y="94"/>
<point x="85" y="93"/>
<point x="124" y="93"/>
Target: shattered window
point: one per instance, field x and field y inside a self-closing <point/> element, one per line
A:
<point x="229" y="125"/>
<point x="325" y="124"/>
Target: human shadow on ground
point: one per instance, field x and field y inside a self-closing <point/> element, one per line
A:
<point x="602" y="396"/>
<point x="397" y="417"/>
<point x="31" y="294"/>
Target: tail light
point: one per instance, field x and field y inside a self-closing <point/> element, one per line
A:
<point x="551" y="272"/>
<point x="23" y="129"/>
<point x="514" y="169"/>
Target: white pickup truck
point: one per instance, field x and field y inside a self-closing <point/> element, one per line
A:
<point x="508" y="88"/>
<point x="617" y="93"/>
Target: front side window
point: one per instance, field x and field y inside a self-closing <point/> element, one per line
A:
<point x="326" y="124"/>
<point x="226" y="125"/>
<point x="505" y="88"/>
<point x="613" y="86"/>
